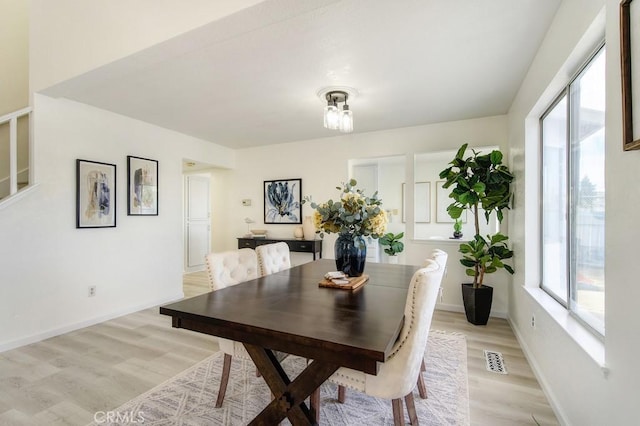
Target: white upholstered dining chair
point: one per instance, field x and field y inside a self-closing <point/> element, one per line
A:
<point x="440" y="256"/>
<point x="226" y="269"/>
<point x="398" y="375"/>
<point x="231" y="267"/>
<point x="273" y="258"/>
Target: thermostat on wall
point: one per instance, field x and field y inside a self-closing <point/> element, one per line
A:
<point x="246" y="202"/>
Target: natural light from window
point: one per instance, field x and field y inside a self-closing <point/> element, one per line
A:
<point x="573" y="191"/>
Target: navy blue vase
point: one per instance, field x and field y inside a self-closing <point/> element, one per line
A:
<point x="351" y="253"/>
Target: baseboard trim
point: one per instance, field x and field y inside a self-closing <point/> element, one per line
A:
<point x="537" y="371"/>
<point x="34" y="338"/>
<point x="459" y="308"/>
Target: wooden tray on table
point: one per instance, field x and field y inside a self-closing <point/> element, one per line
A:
<point x="354" y="283"/>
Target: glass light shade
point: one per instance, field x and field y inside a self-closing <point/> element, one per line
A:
<point x="346" y="121"/>
<point x="331" y="119"/>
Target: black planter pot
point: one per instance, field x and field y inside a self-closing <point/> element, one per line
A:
<point x="477" y="303"/>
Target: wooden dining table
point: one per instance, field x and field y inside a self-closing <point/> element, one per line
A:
<point x="289" y="312"/>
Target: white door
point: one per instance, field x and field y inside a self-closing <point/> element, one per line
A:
<point x="198" y="223"/>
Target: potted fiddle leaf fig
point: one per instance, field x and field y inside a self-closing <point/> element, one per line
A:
<point x="480" y="182"/>
<point x="393" y="244"/>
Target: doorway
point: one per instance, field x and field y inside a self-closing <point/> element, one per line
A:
<point x="197" y="221"/>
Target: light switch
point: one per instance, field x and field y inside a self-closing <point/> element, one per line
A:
<point x="246" y="202"/>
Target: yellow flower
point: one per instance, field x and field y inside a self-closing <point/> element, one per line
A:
<point x="354" y="213"/>
<point x="317" y="219"/>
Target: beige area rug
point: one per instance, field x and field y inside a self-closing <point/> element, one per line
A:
<point x="188" y="399"/>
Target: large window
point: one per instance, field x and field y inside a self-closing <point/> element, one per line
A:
<point x="573" y="206"/>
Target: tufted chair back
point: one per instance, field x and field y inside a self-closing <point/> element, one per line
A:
<point x="273" y="258"/>
<point x="440" y="256"/>
<point x="231" y="267"/>
<point x="397" y="376"/>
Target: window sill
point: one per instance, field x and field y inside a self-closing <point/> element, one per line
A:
<point x="439" y="240"/>
<point x="593" y="346"/>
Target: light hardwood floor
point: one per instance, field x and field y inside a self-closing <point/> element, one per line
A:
<point x="66" y="379"/>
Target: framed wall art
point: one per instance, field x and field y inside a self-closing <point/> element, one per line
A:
<point x="142" y="186"/>
<point x="282" y="201"/>
<point x="421" y="204"/>
<point x="95" y="194"/>
<point x="630" y="60"/>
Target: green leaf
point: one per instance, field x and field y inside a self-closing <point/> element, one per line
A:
<point x="444" y="174"/>
<point x="471" y="272"/>
<point x="465" y="248"/>
<point x="467" y="262"/>
<point x="496" y="238"/>
<point x="496" y="157"/>
<point x="479" y="187"/>
<point x="454" y="211"/>
<point x="461" y="151"/>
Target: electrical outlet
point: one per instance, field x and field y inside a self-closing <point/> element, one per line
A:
<point x="92" y="290"/>
<point x="533" y="321"/>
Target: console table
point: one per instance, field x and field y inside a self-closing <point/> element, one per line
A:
<point x="301" y="246"/>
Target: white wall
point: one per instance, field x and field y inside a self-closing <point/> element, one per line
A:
<point x="622" y="236"/>
<point x="70" y="37"/>
<point x="323" y="164"/>
<point x="579" y="388"/>
<point x="47" y="264"/>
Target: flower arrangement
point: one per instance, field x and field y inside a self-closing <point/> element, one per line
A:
<point x="354" y="213"/>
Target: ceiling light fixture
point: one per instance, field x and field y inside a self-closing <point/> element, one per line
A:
<point x="334" y="118"/>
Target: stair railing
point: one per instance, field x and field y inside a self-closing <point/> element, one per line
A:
<point x="12" y="119"/>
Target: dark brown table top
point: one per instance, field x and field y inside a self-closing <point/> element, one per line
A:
<point x="289" y="312"/>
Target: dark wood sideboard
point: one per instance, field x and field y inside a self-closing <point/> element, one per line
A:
<point x="301" y="246"/>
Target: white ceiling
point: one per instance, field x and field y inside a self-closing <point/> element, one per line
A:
<point x="252" y="78"/>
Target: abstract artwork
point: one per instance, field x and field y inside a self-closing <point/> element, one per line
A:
<point x="95" y="194"/>
<point x="282" y="201"/>
<point x="142" y="186"/>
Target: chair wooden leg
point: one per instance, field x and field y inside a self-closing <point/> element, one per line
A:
<point x="422" y="389"/>
<point x="411" y="409"/>
<point x="342" y="394"/>
<point x="421" y="386"/>
<point x="398" y="412"/>
<point x="314" y="402"/>
<point x="224" y="379"/>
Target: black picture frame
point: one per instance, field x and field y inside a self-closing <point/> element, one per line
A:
<point x="283" y="201"/>
<point x="95" y="194"/>
<point x="142" y="186"/>
<point x="627" y="62"/>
